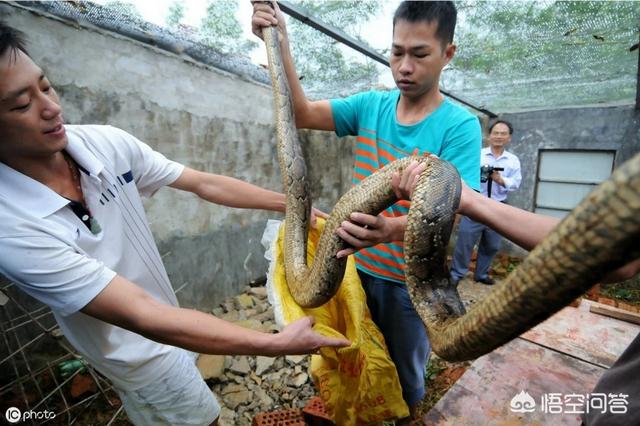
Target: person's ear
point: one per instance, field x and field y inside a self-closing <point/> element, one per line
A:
<point x="449" y="52"/>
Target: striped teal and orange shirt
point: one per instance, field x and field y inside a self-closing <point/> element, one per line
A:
<point x="450" y="132"/>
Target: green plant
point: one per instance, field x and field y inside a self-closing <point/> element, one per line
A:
<point x="433" y="369"/>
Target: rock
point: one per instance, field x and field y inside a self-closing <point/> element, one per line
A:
<point x="280" y="364"/>
<point x="240" y="365"/>
<point x="264" y="316"/>
<point x="244" y="301"/>
<point x="231" y="316"/>
<point x="228" y="306"/>
<point x="272" y="327"/>
<point x="250" y="385"/>
<point x="263" y="363"/>
<point x="260" y="292"/>
<point x="295" y="359"/>
<point x="299" y="380"/>
<point x="255" y="378"/>
<point x="234" y="399"/>
<point x="252" y="324"/>
<point x="232" y="388"/>
<point x="218" y="312"/>
<point x="227" y="417"/>
<point x="211" y="366"/>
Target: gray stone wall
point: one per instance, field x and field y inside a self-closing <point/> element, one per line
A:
<point x="198" y="115"/>
<point x="222" y="122"/>
<point x="613" y="128"/>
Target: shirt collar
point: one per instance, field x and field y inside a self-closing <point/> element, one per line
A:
<point x="83" y="156"/>
<point x="489" y="152"/>
<point x="37" y="198"/>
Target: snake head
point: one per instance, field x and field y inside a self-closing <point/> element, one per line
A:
<point x="447" y="300"/>
<point x="435" y="299"/>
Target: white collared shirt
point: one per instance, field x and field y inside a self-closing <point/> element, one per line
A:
<point x="511" y="174"/>
<point x="50" y="254"/>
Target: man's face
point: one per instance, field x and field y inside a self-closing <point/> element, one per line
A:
<point x="499" y="136"/>
<point x="418" y="57"/>
<point x="30" y="112"/>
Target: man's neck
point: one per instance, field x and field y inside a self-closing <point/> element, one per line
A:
<point x="497" y="151"/>
<point x="413" y="110"/>
<point x="50" y="171"/>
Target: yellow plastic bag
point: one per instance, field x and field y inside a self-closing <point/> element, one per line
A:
<point x="359" y="384"/>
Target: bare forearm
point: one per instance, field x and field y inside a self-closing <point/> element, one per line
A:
<point x="204" y="333"/>
<point x="233" y="192"/>
<point x="126" y="305"/>
<point x="520" y="226"/>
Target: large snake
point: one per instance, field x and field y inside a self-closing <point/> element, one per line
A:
<point x="598" y="236"/>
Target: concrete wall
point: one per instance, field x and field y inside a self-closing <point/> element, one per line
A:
<point x="216" y="121"/>
<point x="205" y="118"/>
<point x="615" y="128"/>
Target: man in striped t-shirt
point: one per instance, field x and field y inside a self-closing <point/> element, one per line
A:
<point x="414" y="119"/>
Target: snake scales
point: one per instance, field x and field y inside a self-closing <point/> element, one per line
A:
<point x="600" y="235"/>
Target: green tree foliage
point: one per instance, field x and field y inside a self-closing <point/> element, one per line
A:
<point x="221" y="30"/>
<point x="175" y="14"/>
<point x="320" y="60"/>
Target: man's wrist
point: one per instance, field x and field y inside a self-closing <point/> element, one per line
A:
<point x="399" y="224"/>
<point x="269" y="344"/>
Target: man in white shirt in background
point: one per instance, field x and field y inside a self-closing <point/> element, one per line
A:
<point x="501" y="183"/>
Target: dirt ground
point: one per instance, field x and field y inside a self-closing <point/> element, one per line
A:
<point x="440" y="374"/>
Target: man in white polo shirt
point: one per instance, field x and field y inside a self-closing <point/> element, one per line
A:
<point x="500" y="183"/>
<point x="73" y="234"/>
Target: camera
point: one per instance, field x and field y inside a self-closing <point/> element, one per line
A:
<point x="486" y="171"/>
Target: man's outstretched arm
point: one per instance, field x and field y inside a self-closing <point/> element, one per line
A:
<point x="228" y="191"/>
<point x="523" y="227"/>
<point x="232" y="192"/>
<point x="126" y="305"/>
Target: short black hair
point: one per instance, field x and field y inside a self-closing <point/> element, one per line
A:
<point x="12" y="40"/>
<point x="444" y="13"/>
<point x="505" y="122"/>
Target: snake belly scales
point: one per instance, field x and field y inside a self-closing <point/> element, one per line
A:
<point x="601" y="234"/>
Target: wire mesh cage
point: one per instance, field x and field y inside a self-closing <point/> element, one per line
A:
<point x="42" y="378"/>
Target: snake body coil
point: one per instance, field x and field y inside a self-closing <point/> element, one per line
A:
<point x="600" y="235"/>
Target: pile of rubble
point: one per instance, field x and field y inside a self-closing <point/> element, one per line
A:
<point x="245" y="385"/>
<point x="248" y="385"/>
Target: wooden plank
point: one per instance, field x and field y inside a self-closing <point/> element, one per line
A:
<point x="613" y="312"/>
<point x="482" y="396"/>
<point x="581" y="334"/>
